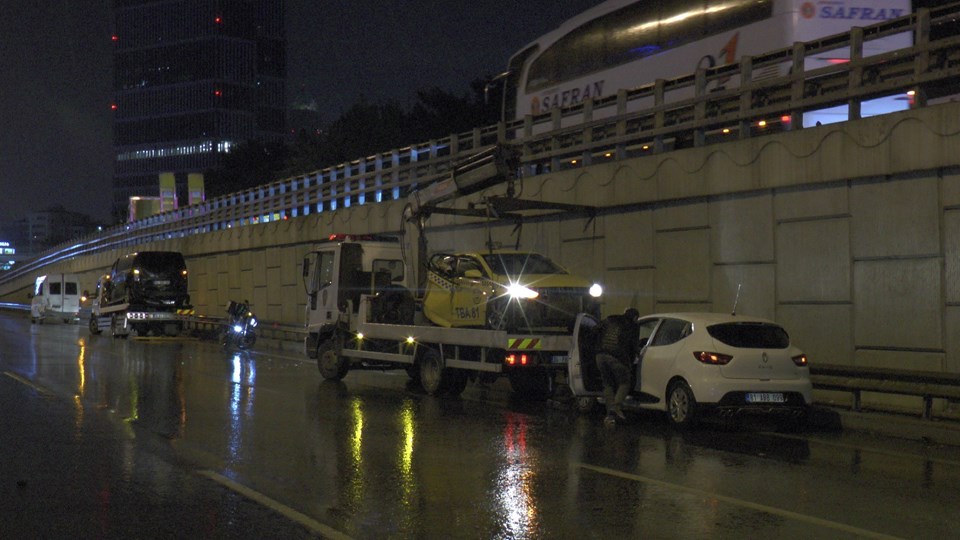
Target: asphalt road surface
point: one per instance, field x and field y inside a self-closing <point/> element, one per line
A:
<point x="178" y="438"/>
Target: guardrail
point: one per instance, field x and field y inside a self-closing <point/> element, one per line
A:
<point x="208" y="326"/>
<point x="856" y="380"/>
<point x="694" y="109"/>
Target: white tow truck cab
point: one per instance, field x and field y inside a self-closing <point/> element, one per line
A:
<point x="363" y="312"/>
<point x="55" y="296"/>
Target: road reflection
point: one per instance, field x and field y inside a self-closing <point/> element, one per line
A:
<point x="241" y="403"/>
<point x="515" y="476"/>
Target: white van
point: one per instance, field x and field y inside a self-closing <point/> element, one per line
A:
<point x="55" y="296"/>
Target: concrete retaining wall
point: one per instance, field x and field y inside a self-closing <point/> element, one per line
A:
<point x="848" y="234"/>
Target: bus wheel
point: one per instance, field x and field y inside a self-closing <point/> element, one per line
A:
<point x="94" y="326"/>
<point x="332" y="366"/>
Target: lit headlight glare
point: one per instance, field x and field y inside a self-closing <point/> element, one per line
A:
<point x="596" y="290"/>
<point x="515" y="290"/>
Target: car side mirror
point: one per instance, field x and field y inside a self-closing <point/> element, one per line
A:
<point x="473" y="274"/>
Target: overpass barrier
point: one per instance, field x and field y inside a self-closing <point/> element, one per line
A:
<point x="696" y="109"/>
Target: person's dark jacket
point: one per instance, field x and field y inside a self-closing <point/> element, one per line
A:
<point x="619" y="336"/>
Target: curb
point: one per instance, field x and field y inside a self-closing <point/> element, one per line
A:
<point x="934" y="431"/>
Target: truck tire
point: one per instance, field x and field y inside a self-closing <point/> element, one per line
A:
<point x="432" y="372"/>
<point x="332" y="366"/>
<point x="94" y="326"/>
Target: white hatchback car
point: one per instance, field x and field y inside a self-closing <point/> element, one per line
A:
<point x="692" y="363"/>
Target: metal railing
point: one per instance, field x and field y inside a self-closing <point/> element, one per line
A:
<point x="695" y="109"/>
<point x="856" y="380"/>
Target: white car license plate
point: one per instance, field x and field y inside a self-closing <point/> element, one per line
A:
<point x="162" y="282"/>
<point x="765" y="397"/>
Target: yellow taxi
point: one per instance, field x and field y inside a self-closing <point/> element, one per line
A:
<point x="516" y="291"/>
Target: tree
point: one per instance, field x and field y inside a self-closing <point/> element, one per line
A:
<point x="363" y="130"/>
<point x="249" y="164"/>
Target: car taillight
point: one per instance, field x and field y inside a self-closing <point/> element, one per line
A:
<point x="514" y="359"/>
<point x="800" y="360"/>
<point x="712" y="358"/>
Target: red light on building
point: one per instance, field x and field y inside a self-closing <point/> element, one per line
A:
<point x="218" y="20"/>
<point x="113" y="106"/>
<point x="114" y="38"/>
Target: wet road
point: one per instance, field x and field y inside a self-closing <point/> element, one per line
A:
<point x="127" y="438"/>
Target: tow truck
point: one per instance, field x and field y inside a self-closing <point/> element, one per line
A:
<point x="364" y="308"/>
<point x="145" y="293"/>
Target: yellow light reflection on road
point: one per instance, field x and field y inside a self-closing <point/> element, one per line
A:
<point x="82" y="368"/>
<point x="355" y="487"/>
<point x="408" y="485"/>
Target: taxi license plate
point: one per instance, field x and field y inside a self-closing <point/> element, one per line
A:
<point x="765" y="397"/>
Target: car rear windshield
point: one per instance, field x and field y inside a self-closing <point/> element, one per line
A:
<point x="517" y="264"/>
<point x="750" y="335"/>
<point x="160" y="262"/>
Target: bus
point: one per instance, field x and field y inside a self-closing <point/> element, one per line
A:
<point x="623" y="44"/>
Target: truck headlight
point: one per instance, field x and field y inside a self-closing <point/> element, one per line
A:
<point x="596" y="290"/>
<point x="515" y="290"/>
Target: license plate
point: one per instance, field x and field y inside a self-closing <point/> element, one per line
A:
<point x="561" y="359"/>
<point x="765" y="397"/>
<point x="162" y="282"/>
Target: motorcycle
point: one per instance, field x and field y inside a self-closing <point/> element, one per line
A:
<point x="240" y="327"/>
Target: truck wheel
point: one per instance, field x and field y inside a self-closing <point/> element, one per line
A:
<point x="94" y="326"/>
<point x="432" y="372"/>
<point x="332" y="366"/>
<point x="681" y="405"/>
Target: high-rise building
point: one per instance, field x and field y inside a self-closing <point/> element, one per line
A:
<point x="192" y="79"/>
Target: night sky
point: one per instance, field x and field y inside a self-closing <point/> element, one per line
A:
<point x="55" y="76"/>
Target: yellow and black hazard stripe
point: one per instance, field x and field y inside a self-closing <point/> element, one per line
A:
<point x="523" y="344"/>
<point x="186" y="312"/>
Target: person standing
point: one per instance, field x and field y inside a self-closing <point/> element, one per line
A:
<point x="617" y="346"/>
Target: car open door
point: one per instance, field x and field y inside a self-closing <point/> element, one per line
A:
<point x="582" y="368"/>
